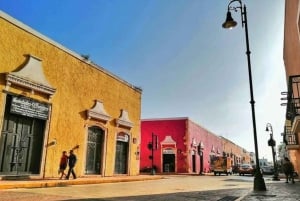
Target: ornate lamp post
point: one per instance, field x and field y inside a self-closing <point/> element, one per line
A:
<point x="272" y="144"/>
<point x="259" y="183"/>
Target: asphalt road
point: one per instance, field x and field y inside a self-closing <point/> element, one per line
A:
<point x="175" y="188"/>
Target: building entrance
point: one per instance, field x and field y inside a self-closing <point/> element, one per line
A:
<point x="21" y="143"/>
<point x="193" y="161"/>
<point x="121" y="158"/>
<point x="94" y="150"/>
<point x="168" y="162"/>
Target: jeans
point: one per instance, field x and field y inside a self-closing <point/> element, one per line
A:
<point x="71" y="170"/>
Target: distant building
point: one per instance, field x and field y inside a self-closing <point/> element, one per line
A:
<point x="238" y="154"/>
<point x="182" y="146"/>
<point x="52" y="99"/>
<point x="263" y="162"/>
<point x="252" y="158"/>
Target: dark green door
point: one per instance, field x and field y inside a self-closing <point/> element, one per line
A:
<point x="168" y="162"/>
<point x="193" y="162"/>
<point x="94" y="150"/>
<point x="121" y="158"/>
<point x="21" y="144"/>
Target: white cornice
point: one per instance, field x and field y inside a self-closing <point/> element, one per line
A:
<point x="124" y="120"/>
<point x="168" y="140"/>
<point x="31" y="76"/>
<point x="98" y="112"/>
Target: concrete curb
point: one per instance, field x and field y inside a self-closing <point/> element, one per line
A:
<point x="35" y="183"/>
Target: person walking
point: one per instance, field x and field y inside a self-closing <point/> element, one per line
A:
<point x="72" y="162"/>
<point x="63" y="164"/>
<point x="288" y="170"/>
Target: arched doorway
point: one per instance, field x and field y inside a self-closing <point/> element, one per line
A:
<point x="94" y="150"/>
<point x="122" y="149"/>
<point x="193" y="161"/>
<point x="201" y="162"/>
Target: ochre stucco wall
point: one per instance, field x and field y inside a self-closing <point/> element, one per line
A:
<point x="78" y="84"/>
<point x="291" y="56"/>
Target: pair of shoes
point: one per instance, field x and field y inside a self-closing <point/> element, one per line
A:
<point x="293" y="182"/>
<point x="66" y="178"/>
<point x="287" y="182"/>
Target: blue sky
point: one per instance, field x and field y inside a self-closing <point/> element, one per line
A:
<point x="179" y="54"/>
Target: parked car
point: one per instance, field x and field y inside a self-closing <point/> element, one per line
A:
<point x="246" y="169"/>
<point x="267" y="170"/>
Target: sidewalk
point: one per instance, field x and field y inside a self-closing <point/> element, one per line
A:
<point x="54" y="182"/>
<point x="276" y="191"/>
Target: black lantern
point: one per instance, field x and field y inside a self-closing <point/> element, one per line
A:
<point x="272" y="144"/>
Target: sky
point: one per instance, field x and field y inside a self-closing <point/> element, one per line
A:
<point x="178" y="53"/>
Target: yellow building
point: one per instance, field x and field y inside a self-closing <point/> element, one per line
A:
<point x="52" y="99"/>
<point x="238" y="154"/>
<point x="291" y="55"/>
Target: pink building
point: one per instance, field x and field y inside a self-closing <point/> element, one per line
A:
<point x="182" y="146"/>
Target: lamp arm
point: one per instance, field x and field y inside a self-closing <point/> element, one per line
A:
<point x="235" y="9"/>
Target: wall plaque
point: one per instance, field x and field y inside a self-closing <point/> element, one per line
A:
<point x="30" y="108"/>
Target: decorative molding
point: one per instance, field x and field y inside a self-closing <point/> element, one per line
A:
<point x="13" y="79"/>
<point x="213" y="149"/>
<point x="98" y="112"/>
<point x="201" y="144"/>
<point x="194" y="143"/>
<point x="124" y="120"/>
<point x="31" y="76"/>
<point x="168" y="140"/>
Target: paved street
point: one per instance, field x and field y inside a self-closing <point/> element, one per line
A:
<point x="175" y="188"/>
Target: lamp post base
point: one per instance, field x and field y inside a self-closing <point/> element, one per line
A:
<point x="259" y="182"/>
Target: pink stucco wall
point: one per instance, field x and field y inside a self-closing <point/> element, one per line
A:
<point x="187" y="136"/>
<point x="212" y="144"/>
<point x="162" y="128"/>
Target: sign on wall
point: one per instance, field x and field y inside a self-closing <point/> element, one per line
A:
<point x="30" y="108"/>
<point x="168" y="151"/>
<point x="123" y="137"/>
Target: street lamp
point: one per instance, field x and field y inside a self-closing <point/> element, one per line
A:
<point x="259" y="183"/>
<point x="272" y="144"/>
<point x="153" y="145"/>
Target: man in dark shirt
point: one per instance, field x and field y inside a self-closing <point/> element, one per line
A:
<point x="72" y="162"/>
<point x="288" y="170"/>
